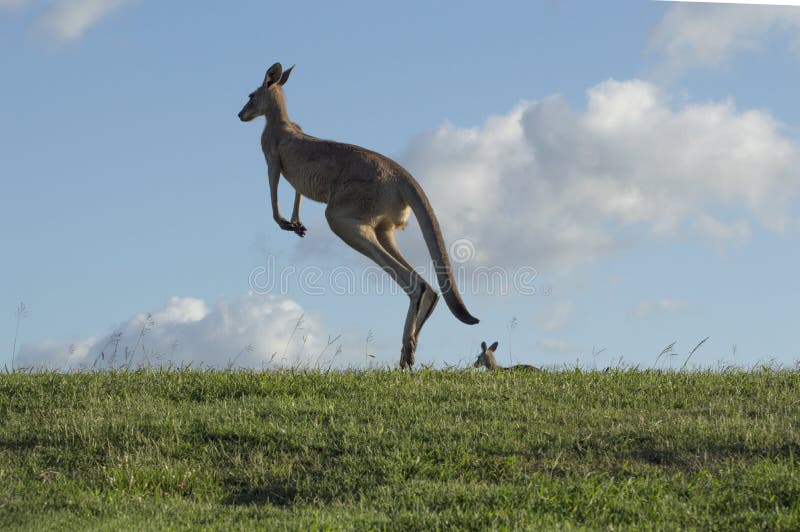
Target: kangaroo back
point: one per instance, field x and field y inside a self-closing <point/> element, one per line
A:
<point x="522" y="367"/>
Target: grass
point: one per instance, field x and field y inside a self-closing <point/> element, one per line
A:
<point x="183" y="449"/>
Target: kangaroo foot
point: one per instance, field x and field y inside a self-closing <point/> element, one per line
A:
<point x="427" y="302"/>
<point x="407" y="354"/>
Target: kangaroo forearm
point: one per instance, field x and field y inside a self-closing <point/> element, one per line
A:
<point x="295" y="226"/>
<point x="276" y="212"/>
<point x="274" y="178"/>
<point x="296" y="211"/>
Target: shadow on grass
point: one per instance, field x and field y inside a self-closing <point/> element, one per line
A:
<point x="255" y="471"/>
<point x="26" y="444"/>
<point x="682" y="455"/>
<point x="276" y="493"/>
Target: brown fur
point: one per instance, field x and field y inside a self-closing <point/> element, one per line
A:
<point x="487" y="360"/>
<point x="369" y="196"/>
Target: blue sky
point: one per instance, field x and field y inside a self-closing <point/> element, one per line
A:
<point x="641" y="157"/>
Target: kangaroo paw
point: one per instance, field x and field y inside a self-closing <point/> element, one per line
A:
<point x="299" y="229"/>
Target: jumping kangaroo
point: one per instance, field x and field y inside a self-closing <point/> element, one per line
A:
<point x="486" y="359"/>
<point x="369" y="196"/>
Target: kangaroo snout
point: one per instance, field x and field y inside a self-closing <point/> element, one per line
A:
<point x="247" y="113"/>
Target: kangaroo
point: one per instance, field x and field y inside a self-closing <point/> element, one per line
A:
<point x="487" y="360"/>
<point x="368" y="197"/>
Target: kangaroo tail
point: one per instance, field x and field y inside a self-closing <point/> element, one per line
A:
<point x="433" y="239"/>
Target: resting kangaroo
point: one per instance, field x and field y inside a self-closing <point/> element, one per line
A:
<point x="369" y="196"/>
<point x="486" y="359"/>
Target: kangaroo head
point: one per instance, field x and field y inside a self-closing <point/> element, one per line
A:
<point x="268" y="98"/>
<point x="486" y="358"/>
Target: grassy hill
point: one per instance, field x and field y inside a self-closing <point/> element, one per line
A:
<point x="181" y="449"/>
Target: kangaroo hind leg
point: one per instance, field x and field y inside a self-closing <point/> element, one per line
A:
<point x="362" y="237"/>
<point x="427" y="298"/>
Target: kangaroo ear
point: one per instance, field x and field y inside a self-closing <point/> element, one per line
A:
<point x="285" y="75"/>
<point x="273" y="74"/>
<point x="483" y="346"/>
<point x="493" y="347"/>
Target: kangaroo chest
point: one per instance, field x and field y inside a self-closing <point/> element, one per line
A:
<point x="308" y="170"/>
<point x="311" y="179"/>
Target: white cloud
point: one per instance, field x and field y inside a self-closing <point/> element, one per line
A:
<point x="559" y="315"/>
<point x="550" y="185"/>
<point x="554" y="346"/>
<point x="737" y="232"/>
<point x="649" y="309"/>
<point x="707" y="35"/>
<point x="68" y="20"/>
<point x="250" y="330"/>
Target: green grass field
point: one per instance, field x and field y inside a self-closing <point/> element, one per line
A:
<point x="183" y="449"/>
